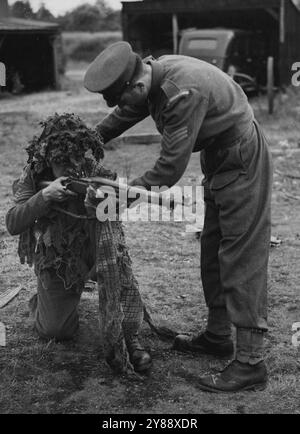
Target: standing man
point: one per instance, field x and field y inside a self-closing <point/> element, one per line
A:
<point x="197" y="107"/>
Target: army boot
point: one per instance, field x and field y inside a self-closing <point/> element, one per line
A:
<point x="139" y="357"/>
<point x="236" y="377"/>
<point x="247" y="372"/>
<point x="206" y="343"/>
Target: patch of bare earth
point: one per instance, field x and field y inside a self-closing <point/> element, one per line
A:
<point x="41" y="377"/>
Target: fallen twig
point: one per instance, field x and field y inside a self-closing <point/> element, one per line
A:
<point x="289" y="195"/>
<point x="287" y="175"/>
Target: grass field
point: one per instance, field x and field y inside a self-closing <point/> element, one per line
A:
<point x="39" y="377"/>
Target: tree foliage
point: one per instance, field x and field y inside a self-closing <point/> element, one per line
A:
<point x="86" y="17"/>
<point x="91" y="18"/>
<point x="43" y="14"/>
<point x="22" y="9"/>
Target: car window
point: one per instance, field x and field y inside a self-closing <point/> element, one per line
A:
<point x="202" y="44"/>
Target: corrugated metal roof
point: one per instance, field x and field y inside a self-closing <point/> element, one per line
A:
<point x="20" y="25"/>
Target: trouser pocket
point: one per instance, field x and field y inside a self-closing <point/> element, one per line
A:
<point x="221" y="180"/>
<point x="222" y="167"/>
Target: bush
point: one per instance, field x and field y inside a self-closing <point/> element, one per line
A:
<point x="91" y="18"/>
<point x="86" y="46"/>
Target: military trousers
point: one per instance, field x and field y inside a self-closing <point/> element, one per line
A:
<point x="236" y="235"/>
<point x="56" y="314"/>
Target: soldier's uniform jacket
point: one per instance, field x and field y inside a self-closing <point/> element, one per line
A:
<point x="194" y="104"/>
<point x="50" y="239"/>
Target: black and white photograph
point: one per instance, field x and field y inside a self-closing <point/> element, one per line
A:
<point x="149" y="210"/>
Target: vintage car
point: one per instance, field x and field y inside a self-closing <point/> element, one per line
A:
<point x="240" y="53"/>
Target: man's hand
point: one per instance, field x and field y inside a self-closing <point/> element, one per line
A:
<point x="91" y="201"/>
<point x="57" y="192"/>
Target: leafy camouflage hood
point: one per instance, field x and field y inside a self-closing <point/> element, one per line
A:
<point x="64" y="137"/>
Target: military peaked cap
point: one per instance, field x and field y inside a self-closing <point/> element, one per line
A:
<point x="112" y="70"/>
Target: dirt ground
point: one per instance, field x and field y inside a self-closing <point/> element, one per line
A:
<point x="38" y="377"/>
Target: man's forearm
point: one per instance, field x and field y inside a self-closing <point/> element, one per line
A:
<point x="23" y="215"/>
<point x="120" y="120"/>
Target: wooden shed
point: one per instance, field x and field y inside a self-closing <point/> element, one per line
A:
<point x="31" y="52"/>
<point x="154" y="26"/>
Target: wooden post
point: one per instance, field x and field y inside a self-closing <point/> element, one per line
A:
<point x="270" y="84"/>
<point x="56" y="77"/>
<point x="2" y="75"/>
<point x="282" y="22"/>
<point x="175" y="33"/>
